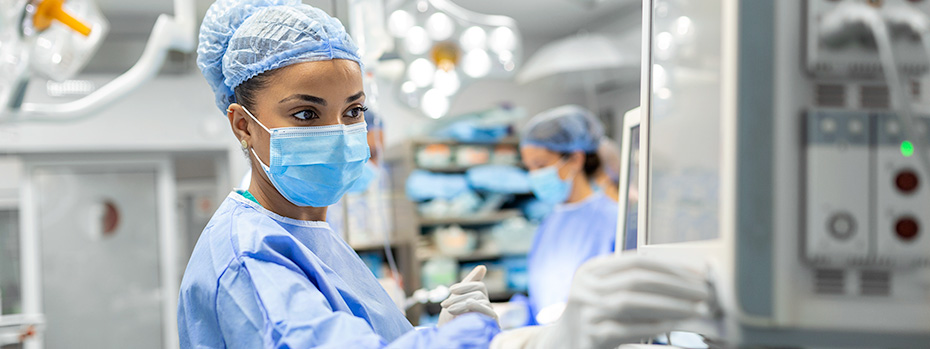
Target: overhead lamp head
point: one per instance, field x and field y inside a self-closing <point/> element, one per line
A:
<point x="448" y="47"/>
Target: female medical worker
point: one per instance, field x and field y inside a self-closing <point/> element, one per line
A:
<point x="559" y="147"/>
<point x="267" y="270"/>
<point x="608" y="175"/>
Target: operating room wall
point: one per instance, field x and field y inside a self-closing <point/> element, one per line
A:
<point x="617" y="98"/>
<point x="173" y="112"/>
<point x="169" y="114"/>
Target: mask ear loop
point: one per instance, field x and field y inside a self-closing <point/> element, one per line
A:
<point x="562" y="162"/>
<point x="256" y="120"/>
<point x="252" y="149"/>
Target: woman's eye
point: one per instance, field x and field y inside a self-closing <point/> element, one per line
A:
<point x="356" y="112"/>
<point x="305" y="115"/>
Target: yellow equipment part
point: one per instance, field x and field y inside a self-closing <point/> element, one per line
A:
<point x="48" y="10"/>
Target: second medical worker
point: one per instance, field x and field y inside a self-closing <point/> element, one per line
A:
<point x="559" y="147"/>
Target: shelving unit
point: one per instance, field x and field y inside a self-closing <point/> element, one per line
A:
<point x="480" y="219"/>
<point x="475" y="257"/>
<point x="411" y="227"/>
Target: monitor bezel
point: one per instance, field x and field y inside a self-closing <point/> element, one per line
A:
<point x="631" y="119"/>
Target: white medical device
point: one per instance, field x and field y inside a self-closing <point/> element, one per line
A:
<point x="782" y="154"/>
<point x="629" y="182"/>
<point x="27" y="49"/>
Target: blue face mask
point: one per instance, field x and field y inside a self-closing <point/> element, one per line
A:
<point x="548" y="186"/>
<point x="369" y="174"/>
<point x="315" y="165"/>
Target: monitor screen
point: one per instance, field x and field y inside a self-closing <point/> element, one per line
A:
<point x="684" y="122"/>
<point x="632" y="191"/>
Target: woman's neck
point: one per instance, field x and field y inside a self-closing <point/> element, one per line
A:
<point x="581" y="189"/>
<point x="267" y="196"/>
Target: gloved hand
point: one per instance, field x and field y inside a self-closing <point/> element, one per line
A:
<point x="617" y="299"/>
<point x="468" y="296"/>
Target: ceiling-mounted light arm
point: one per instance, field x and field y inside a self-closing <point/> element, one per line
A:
<point x="169" y="33"/>
<point x="185" y="23"/>
<point x="480" y="18"/>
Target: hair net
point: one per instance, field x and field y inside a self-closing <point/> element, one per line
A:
<point x="609" y="154"/>
<point x="564" y="129"/>
<point x="240" y="39"/>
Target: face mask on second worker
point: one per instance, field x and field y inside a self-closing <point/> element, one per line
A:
<point x="548" y="186"/>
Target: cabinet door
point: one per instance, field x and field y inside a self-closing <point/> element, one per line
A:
<point x="99" y="254"/>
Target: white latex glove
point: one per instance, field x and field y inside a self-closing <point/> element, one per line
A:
<point x="614" y="300"/>
<point x="468" y="296"/>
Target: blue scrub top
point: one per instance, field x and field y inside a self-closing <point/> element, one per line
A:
<point x="569" y="236"/>
<point x="257" y="279"/>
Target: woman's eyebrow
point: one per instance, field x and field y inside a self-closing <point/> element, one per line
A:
<point x="355" y="97"/>
<point x="308" y="98"/>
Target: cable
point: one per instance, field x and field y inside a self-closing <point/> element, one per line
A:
<point x="848" y="14"/>
<point x="388" y="253"/>
<point x="902" y="13"/>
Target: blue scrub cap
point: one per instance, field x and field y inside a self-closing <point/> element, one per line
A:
<point x="240" y="39"/>
<point x="564" y="129"/>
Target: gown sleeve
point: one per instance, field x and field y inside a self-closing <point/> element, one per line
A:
<point x="269" y="305"/>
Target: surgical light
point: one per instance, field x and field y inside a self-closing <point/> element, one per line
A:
<point x="445" y="47"/>
<point x="505" y="56"/>
<point x="509" y="66"/>
<point x="439" y="26"/>
<point x="502" y="39"/>
<point x="476" y="63"/>
<point x="400" y="22"/>
<point x="474" y="38"/>
<point x="417" y="40"/>
<point x="421" y="72"/>
<point x="446" y="82"/>
<point x="434" y="104"/>
<point x="51" y="10"/>
<point x="409" y="87"/>
<point x="59" y="52"/>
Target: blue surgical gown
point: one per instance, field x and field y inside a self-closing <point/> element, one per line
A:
<point x="260" y="280"/>
<point x="570" y="235"/>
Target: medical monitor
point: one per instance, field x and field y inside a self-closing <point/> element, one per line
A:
<point x="629" y="182"/>
<point x="777" y="161"/>
<point x="685" y="138"/>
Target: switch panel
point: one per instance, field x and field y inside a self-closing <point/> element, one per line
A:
<point x="902" y="205"/>
<point x="838" y="181"/>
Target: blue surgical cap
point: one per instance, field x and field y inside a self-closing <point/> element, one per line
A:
<point x="564" y="129"/>
<point x="240" y="39"/>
